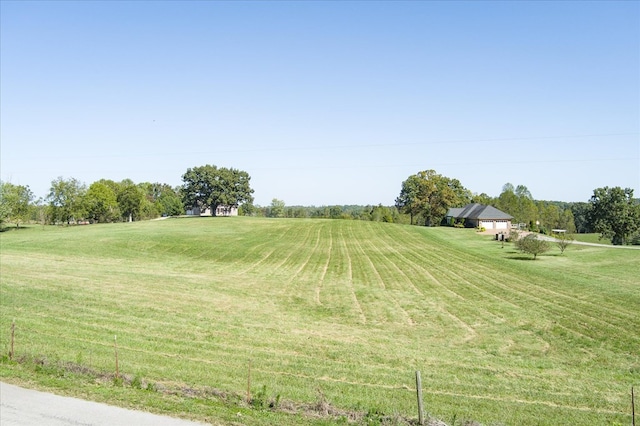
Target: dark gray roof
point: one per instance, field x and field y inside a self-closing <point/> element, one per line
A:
<point x="455" y="211"/>
<point x="477" y="211"/>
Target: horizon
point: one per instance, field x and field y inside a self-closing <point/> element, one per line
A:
<point x="324" y="103"/>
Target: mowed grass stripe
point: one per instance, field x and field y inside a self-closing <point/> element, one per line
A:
<point x="371" y="290"/>
<point x="345" y="254"/>
<point x="432" y="287"/>
<point x="337" y="290"/>
<point x="567" y="313"/>
<point x="397" y="287"/>
<point x="204" y="313"/>
<point x="367" y="272"/>
<point x="528" y="292"/>
<point x="484" y="271"/>
<point x="298" y="256"/>
<point x="307" y="253"/>
<point x="542" y="326"/>
<point x="181" y="359"/>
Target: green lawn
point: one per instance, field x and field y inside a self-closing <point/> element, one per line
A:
<point x="591" y="238"/>
<point x="329" y="313"/>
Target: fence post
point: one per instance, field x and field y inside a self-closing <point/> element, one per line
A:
<point x="633" y="408"/>
<point x="419" y="393"/>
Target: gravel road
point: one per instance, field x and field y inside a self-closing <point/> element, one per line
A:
<point x="580" y="243"/>
<point x="25" y="407"/>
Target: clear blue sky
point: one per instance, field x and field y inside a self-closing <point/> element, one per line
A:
<point x="324" y="102"/>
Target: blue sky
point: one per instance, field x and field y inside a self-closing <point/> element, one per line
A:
<point x="324" y="102"/>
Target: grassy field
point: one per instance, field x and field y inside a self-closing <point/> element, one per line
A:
<point x="332" y="316"/>
<point x="591" y="238"/>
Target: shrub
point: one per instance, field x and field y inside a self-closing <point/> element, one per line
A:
<point x="261" y="399"/>
<point x="532" y="245"/>
<point x="563" y="241"/>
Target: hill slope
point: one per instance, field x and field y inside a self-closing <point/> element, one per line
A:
<point x="338" y="311"/>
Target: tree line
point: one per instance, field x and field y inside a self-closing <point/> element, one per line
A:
<point x="71" y="201"/>
<point x="613" y="212"/>
<point x="376" y="213"/>
<point x="424" y="199"/>
<point x="427" y="196"/>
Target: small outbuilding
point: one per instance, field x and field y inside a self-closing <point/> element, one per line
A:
<point x="479" y="216"/>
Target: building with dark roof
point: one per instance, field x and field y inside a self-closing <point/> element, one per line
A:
<point x="479" y="216"/>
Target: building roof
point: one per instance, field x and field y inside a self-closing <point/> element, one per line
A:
<point x="478" y="211"/>
<point x="455" y="211"/>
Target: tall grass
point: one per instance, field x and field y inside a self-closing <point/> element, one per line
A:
<point x="343" y="309"/>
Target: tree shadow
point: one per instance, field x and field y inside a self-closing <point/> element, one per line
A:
<point x="521" y="257"/>
<point x="13" y="228"/>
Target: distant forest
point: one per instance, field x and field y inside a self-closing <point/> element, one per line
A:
<point x="554" y="214"/>
<point x="423" y="200"/>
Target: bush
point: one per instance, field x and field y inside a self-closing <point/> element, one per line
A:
<point x="261" y="400"/>
<point x="563" y="241"/>
<point x="532" y="245"/>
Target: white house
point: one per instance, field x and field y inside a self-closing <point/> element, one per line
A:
<point x="220" y="211"/>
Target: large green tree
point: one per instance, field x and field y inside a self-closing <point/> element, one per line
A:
<point x="101" y="203"/>
<point x="518" y="202"/>
<point x="130" y="201"/>
<point x="525" y="206"/>
<point x="507" y="201"/>
<point x="15" y="203"/>
<point x="168" y="200"/>
<point x="66" y="200"/>
<point x="382" y="213"/>
<point x="430" y="195"/>
<point x="116" y="187"/>
<point x="276" y="209"/>
<point x="614" y="213"/>
<point x="566" y="221"/>
<point x="149" y="208"/>
<point x="409" y="201"/>
<point x="209" y="187"/>
<point x="482" y="199"/>
<point x="582" y="217"/>
<point x="549" y="216"/>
